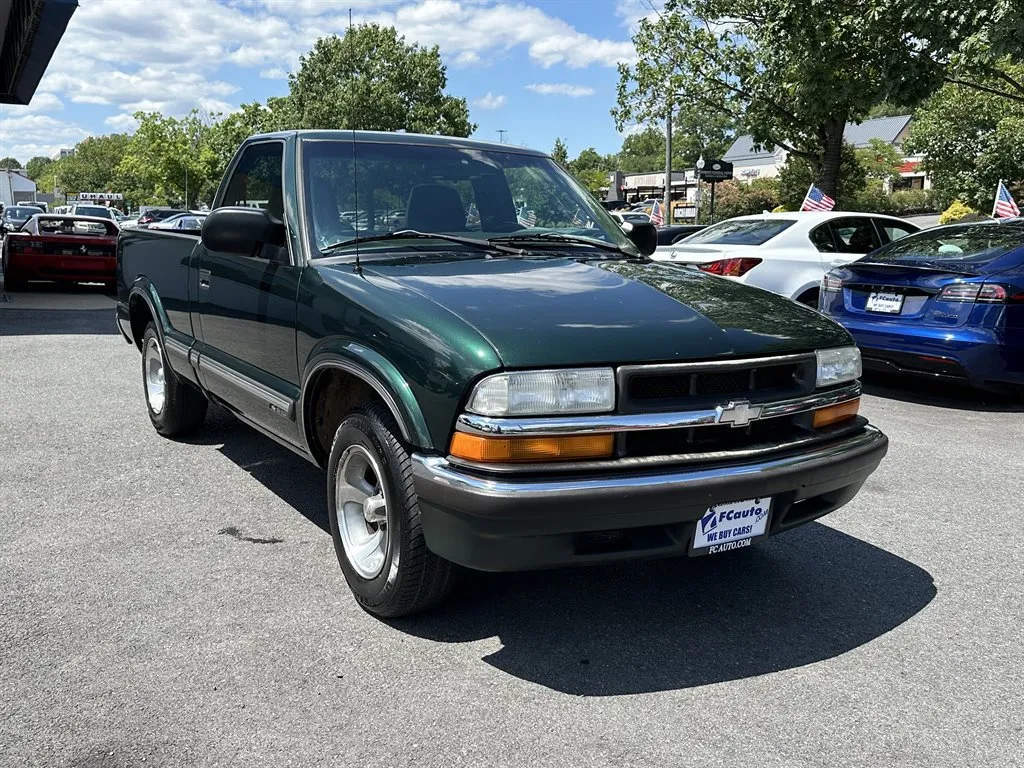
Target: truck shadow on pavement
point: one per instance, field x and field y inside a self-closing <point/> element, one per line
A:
<point x="940" y="394"/>
<point x="808" y="595"/>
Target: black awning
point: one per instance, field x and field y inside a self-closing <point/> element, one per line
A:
<point x="29" y="33"/>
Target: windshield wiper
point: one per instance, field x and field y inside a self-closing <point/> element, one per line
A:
<point x="558" y="237"/>
<point x="412" y="234"/>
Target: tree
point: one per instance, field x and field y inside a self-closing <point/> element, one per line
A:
<point x="794" y="72"/>
<point x="37" y="166"/>
<point x="92" y="168"/>
<point x="735" y="198"/>
<point x="9" y="163"/>
<point x="693" y="135"/>
<point x="881" y="161"/>
<point x="167" y="155"/>
<point x="560" y="153"/>
<point x="797" y="175"/>
<point x="970" y="139"/>
<point x="371" y="79"/>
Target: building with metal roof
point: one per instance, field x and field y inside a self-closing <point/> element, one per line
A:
<point x="750" y="163"/>
<point x="29" y="33"/>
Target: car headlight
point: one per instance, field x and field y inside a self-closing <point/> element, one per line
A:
<point x="545" y="393"/>
<point x="838" y="365"/>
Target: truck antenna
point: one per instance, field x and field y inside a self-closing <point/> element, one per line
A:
<point x="355" y="193"/>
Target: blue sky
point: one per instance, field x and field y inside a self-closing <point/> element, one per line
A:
<point x="537" y="69"/>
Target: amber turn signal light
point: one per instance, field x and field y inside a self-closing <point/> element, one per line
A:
<point x="499" y="450"/>
<point x="825" y="417"/>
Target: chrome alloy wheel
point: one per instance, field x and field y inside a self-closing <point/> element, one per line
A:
<point x="154" y="372"/>
<point x="362" y="507"/>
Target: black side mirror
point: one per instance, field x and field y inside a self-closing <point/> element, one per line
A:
<point x="644" y="236"/>
<point x="242" y="230"/>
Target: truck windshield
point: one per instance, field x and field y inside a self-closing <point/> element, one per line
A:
<point x="476" y="192"/>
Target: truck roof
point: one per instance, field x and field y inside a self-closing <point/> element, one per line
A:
<point x="389" y="137"/>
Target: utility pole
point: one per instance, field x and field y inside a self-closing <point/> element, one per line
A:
<point x="501" y="135"/>
<point x="668" y="165"/>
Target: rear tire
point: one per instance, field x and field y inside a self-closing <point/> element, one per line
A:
<point x="175" y="407"/>
<point x="375" y="519"/>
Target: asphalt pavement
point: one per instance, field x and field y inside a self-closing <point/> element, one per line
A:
<point x="179" y="603"/>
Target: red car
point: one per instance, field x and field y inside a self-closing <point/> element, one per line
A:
<point x="65" y="249"/>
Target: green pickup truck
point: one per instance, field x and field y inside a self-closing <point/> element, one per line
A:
<point x="492" y="372"/>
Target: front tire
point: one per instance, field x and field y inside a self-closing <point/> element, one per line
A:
<point x="175" y="407"/>
<point x="375" y="519"/>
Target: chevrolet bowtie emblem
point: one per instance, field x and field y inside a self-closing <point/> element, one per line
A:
<point x="738" y="414"/>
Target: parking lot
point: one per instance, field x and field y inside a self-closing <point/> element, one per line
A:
<point x="180" y="604"/>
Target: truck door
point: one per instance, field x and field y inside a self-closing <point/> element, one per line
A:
<point x="247" y="307"/>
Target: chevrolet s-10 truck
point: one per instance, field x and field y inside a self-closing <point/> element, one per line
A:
<point x="491" y="371"/>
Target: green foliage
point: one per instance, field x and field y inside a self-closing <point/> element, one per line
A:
<point x="92" y="168"/>
<point x="560" y="153"/>
<point x="37" y="166"/>
<point x="797" y="175"/>
<point x="371" y="79"/>
<point x="970" y="140"/>
<point x="594" y="180"/>
<point x="792" y="71"/>
<point x="735" y="198"/>
<point x="8" y="163"/>
<point x="591" y="160"/>
<point x="693" y="135"/>
<point x="956" y="212"/>
<point x="881" y="161"/>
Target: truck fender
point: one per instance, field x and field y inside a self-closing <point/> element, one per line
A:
<point x="143" y="290"/>
<point x="377" y="372"/>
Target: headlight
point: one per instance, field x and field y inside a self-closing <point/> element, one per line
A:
<point x="545" y="393"/>
<point x="838" y="365"/>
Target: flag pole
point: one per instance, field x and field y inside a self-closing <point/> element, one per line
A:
<point x="995" y="203"/>
<point x="807" y="194"/>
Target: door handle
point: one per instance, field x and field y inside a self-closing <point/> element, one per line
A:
<point x="204" y="279"/>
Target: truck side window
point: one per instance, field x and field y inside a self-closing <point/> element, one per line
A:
<point x="256" y="180"/>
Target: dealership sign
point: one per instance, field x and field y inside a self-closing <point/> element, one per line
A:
<point x="98" y="196"/>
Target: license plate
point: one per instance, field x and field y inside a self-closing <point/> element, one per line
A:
<point x="890" y="303"/>
<point x="731" y="526"/>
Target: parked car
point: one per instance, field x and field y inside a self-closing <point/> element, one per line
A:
<point x="13" y="217"/>
<point x="502" y="399"/>
<point x="946" y="303"/>
<point x="64" y="249"/>
<point x="95" y="211"/>
<point x="786" y="253"/>
<point x="674" y="233"/>
<point x="190" y="220"/>
<point x="149" y="215"/>
<point x="632" y="217"/>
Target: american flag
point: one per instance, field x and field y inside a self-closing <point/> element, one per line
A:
<point x="816" y="200"/>
<point x="1005" y="208"/>
<point x="657" y="216"/>
<point x="528" y="218"/>
<point x="472" y="216"/>
<point x="576" y="220"/>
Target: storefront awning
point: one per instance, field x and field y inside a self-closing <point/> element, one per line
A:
<point x="29" y="33"/>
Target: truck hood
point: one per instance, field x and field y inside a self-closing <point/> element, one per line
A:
<point x="574" y="311"/>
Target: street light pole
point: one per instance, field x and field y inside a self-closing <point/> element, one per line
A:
<point x="667" y="216"/>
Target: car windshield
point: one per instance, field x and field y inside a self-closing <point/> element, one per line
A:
<point x="92" y="210"/>
<point x="741" y="232"/>
<point x="21" y="211"/>
<point x="965" y="244"/>
<point x="469" y="191"/>
<point x="72" y="226"/>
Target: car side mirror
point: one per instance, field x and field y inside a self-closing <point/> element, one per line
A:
<point x="241" y="230"/>
<point x="644" y="236"/>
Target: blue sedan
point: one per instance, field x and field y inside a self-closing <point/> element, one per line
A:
<point x="947" y="303"/>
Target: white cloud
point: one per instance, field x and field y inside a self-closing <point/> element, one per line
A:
<point x="632" y="11"/>
<point x="490" y="101"/>
<point x="274" y="73"/>
<point x="26" y="136"/>
<point x="633" y="130"/>
<point x="561" y="89"/>
<point x="124" y="122"/>
<point x="466" y="58"/>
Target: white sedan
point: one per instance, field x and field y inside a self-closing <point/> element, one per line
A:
<point x="786" y="253"/>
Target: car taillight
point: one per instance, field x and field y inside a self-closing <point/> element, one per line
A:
<point x="970" y="293"/>
<point x="26" y="246"/>
<point x="729" y="267"/>
<point x="831" y="283"/>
